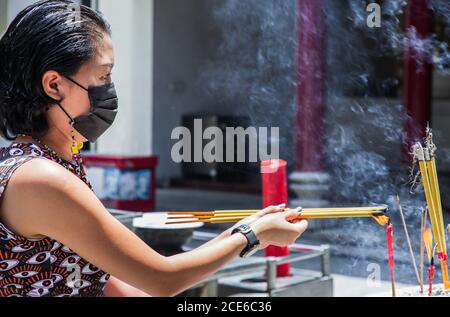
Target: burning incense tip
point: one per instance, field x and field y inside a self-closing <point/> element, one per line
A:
<point x="382" y="220"/>
<point x="428" y="240"/>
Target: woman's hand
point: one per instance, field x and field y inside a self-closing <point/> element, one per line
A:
<point x="279" y="228"/>
<point x="249" y="220"/>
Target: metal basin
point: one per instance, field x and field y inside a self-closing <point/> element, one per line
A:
<point x="152" y="229"/>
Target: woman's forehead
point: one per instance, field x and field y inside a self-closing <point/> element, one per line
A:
<point x="105" y="52"/>
<point x="103" y="59"/>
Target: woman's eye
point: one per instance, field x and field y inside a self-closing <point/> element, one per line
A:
<point x="106" y="77"/>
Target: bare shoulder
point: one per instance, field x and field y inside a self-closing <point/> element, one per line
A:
<point x="42" y="172"/>
<point x="39" y="189"/>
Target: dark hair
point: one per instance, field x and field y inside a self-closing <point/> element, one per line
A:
<point x="58" y="35"/>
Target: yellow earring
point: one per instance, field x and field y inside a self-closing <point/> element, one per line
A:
<point x="76" y="146"/>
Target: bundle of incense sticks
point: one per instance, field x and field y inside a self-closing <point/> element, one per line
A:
<point x="427" y="164"/>
<point x="224" y="216"/>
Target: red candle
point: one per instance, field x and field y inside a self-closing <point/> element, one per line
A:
<point x="274" y="190"/>
<point x="390" y="245"/>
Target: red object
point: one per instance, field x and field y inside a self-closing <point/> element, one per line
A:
<point x="442" y="256"/>
<point x="390" y="245"/>
<point x="431" y="269"/>
<point x="274" y="189"/>
<point x="121" y="165"/>
<point x="417" y="72"/>
<point x="310" y="84"/>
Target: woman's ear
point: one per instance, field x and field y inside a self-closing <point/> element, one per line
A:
<point x="53" y="85"/>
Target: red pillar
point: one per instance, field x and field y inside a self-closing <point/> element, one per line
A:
<point x="310" y="84"/>
<point x="418" y="72"/>
<point x="274" y="190"/>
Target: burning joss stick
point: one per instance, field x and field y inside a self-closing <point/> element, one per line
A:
<point x="411" y="252"/>
<point x="428" y="241"/>
<point x="431" y="271"/>
<point x="422" y="246"/>
<point x="390" y="245"/>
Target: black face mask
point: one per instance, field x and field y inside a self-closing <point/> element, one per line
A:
<point x="103" y="110"/>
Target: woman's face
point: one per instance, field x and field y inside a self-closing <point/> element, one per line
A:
<point x="75" y="100"/>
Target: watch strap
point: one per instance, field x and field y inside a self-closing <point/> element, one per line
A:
<point x="252" y="239"/>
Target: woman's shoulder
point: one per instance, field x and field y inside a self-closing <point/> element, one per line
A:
<point x="37" y="185"/>
<point x="41" y="172"/>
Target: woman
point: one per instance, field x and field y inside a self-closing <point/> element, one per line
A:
<point x="56" y="237"/>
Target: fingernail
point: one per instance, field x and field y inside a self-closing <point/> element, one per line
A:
<point x="281" y="206"/>
<point x="298" y="209"/>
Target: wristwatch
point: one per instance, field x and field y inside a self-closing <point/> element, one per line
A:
<point x="252" y="240"/>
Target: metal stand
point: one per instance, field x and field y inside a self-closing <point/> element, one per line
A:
<point x="257" y="275"/>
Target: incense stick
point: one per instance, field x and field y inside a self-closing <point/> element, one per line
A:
<point x="304" y="210"/>
<point x="423" y="222"/>
<point x="428" y="240"/>
<point x="408" y="240"/>
<point x="303" y="214"/>
<point x="312" y="213"/>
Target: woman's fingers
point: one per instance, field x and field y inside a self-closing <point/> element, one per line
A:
<point x="293" y="214"/>
<point x="271" y="209"/>
<point x="301" y="226"/>
<point x="297" y="229"/>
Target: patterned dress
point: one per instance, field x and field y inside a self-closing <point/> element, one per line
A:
<point x="42" y="267"/>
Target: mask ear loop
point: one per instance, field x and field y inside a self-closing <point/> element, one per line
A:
<point x="76" y="146"/>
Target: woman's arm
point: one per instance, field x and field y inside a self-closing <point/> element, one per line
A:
<point x="43" y="198"/>
<point x="117" y="288"/>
